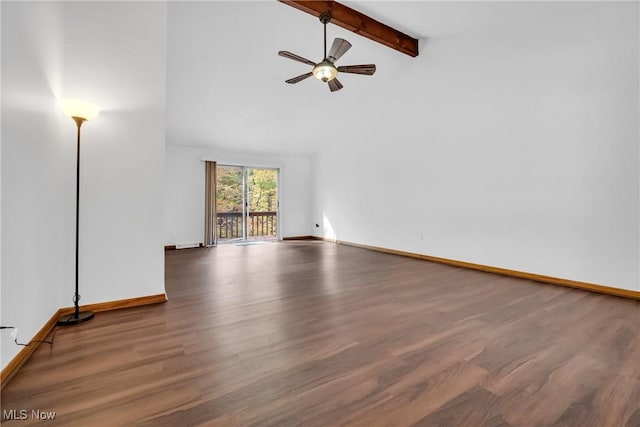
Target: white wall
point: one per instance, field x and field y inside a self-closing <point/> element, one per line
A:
<point x="115" y="55"/>
<point x="38" y="167"/>
<point x="184" y="194"/>
<point x="515" y="147"/>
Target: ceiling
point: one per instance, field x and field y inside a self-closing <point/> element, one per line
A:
<point x="225" y="81"/>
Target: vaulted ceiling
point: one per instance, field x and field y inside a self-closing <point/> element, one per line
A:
<point x="225" y="81"/>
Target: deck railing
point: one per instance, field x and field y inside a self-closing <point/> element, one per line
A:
<point x="260" y="224"/>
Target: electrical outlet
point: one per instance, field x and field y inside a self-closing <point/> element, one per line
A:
<point x="421" y="237"/>
<point x="14" y="333"/>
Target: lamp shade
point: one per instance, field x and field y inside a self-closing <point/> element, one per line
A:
<point x="82" y="109"/>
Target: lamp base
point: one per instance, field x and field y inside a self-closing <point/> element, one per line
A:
<point x="71" y="319"/>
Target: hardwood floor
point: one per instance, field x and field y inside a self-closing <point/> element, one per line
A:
<point x="316" y="334"/>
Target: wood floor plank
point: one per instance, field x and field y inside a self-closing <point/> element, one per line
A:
<point x="471" y="408"/>
<point x="308" y="333"/>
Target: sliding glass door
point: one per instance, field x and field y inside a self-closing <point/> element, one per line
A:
<point x="246" y="203"/>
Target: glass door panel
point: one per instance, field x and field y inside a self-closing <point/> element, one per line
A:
<point x="230" y="203"/>
<point x="262" y="203"/>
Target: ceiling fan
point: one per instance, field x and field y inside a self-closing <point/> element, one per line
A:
<point x="326" y="70"/>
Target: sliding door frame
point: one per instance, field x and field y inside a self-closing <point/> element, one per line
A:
<point x="245" y="200"/>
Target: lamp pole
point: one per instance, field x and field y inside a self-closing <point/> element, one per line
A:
<point x="77" y="316"/>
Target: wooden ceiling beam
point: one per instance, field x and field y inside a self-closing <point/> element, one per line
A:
<point x="358" y="23"/>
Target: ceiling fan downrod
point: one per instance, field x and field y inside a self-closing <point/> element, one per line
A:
<point x="325" y="18"/>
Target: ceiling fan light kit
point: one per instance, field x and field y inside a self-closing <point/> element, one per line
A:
<point x="326" y="69"/>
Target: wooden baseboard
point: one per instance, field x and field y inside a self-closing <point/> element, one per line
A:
<point x="174" y="247"/>
<point x="118" y="304"/>
<point x="298" y="238"/>
<point x="21" y="358"/>
<point x="23" y="355"/>
<point x="497" y="270"/>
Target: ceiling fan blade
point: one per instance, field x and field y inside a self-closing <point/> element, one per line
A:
<point x="295" y="57"/>
<point x="367" y="69"/>
<point x="335" y="85"/>
<point x="300" y="78"/>
<point x="338" y="48"/>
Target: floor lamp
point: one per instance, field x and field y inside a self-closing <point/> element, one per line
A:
<point x="80" y="112"/>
